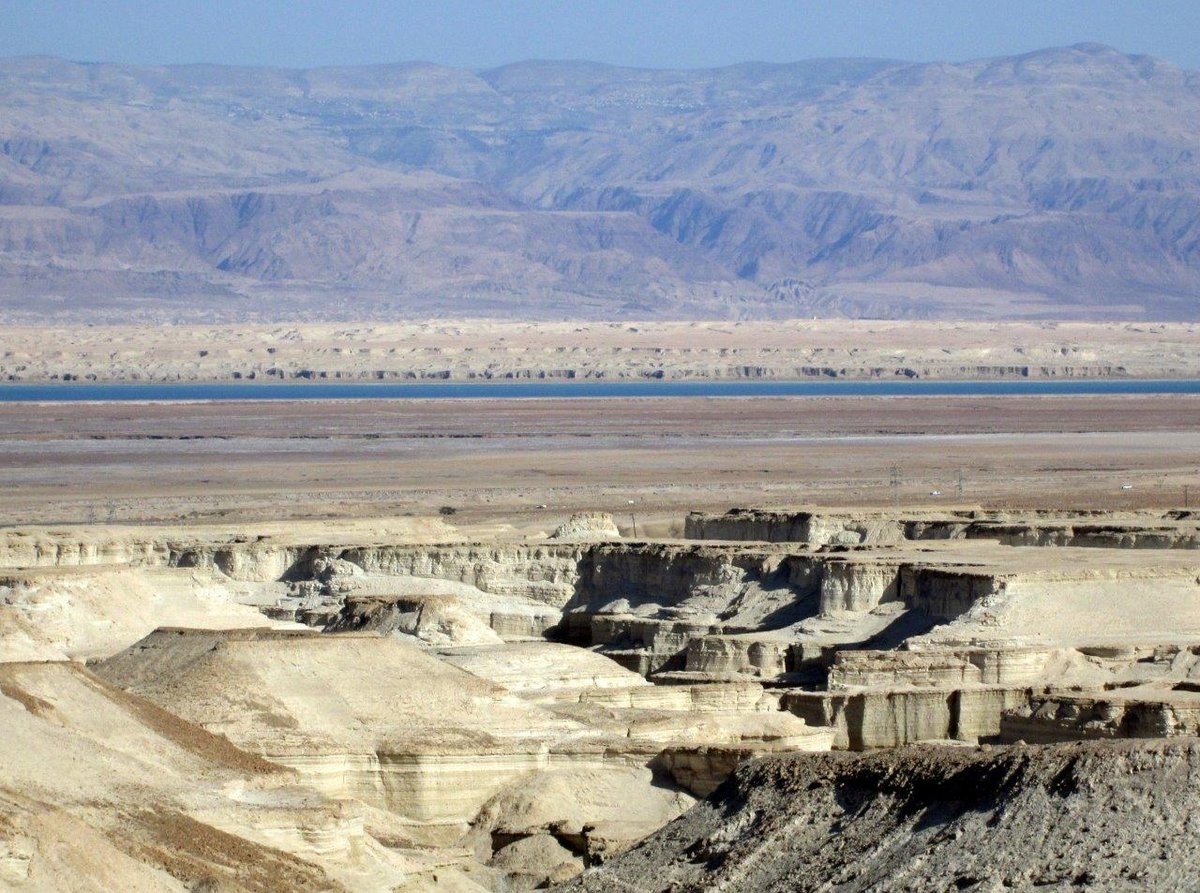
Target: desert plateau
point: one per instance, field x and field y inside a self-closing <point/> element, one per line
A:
<point x="466" y="350"/>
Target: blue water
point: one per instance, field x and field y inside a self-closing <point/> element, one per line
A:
<point x="19" y="393"/>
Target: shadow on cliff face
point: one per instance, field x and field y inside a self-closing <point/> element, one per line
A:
<point x="804" y="606"/>
<point x="892" y="636"/>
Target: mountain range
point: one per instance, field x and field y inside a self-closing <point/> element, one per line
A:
<point x="1063" y="183"/>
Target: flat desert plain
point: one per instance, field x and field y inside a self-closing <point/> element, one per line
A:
<point x="648" y="460"/>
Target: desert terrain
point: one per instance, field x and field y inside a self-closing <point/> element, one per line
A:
<point x="463" y="638"/>
<point x="531" y="463"/>
<point x="934" y="819"/>
<point x="486" y="350"/>
<point x="498" y="644"/>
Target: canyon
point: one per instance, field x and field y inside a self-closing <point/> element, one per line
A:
<point x="407" y="706"/>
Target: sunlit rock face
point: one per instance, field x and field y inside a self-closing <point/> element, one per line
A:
<point x="510" y="711"/>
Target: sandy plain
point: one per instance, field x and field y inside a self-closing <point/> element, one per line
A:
<point x="531" y="463"/>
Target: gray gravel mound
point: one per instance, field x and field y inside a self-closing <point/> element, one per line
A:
<point x="1081" y="816"/>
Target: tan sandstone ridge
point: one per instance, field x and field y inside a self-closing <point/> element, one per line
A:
<point x="424" y="703"/>
<point x="474" y="350"/>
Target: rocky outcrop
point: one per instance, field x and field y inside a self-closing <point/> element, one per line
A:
<point x="698" y="579"/>
<point x="433" y="768"/>
<point x="106" y="790"/>
<point x="857" y="587"/>
<point x="892" y="669"/>
<point x="547" y="574"/>
<point x="883" y="718"/>
<point x="702" y="769"/>
<point x="721" y="656"/>
<point x="38" y="549"/>
<point x="1123" y="713"/>
<point x="1164" y="531"/>
<point x="646" y="645"/>
<point x="435" y="619"/>
<point x="558" y="822"/>
<point x="812" y="528"/>
<point x="1097" y="816"/>
<point x="433" y="740"/>
<point x="943" y="595"/>
<point x="587" y="526"/>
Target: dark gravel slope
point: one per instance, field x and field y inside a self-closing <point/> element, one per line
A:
<point x="1069" y="817"/>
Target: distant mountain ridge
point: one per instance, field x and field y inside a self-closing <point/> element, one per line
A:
<point x="1060" y="183"/>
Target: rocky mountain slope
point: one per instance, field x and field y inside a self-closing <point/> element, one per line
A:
<point x="1061" y="183"/>
<point x="1081" y="816"/>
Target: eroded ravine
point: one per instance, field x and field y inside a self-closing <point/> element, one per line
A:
<point x="528" y="708"/>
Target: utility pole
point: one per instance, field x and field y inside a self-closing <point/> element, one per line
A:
<point x="896" y="486"/>
<point x="960" y="485"/>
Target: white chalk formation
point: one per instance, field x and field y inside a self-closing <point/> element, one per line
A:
<point x="421" y="714"/>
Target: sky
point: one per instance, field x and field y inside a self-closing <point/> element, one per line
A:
<point x="646" y="33"/>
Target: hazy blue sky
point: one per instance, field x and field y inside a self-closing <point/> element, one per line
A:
<point x="668" y="33"/>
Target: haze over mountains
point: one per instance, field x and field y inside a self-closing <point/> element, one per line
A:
<point x="1060" y="184"/>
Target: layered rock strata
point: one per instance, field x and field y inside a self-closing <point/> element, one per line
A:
<point x="1167" y="530"/>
